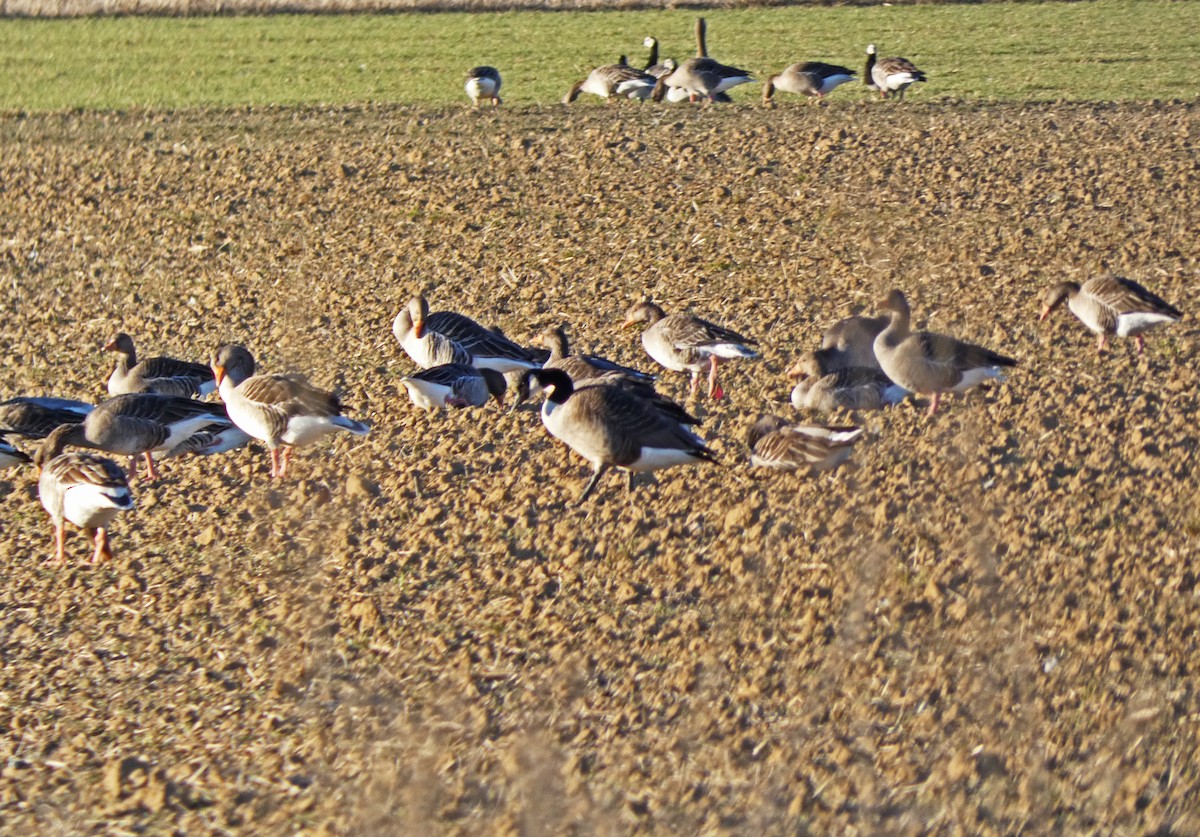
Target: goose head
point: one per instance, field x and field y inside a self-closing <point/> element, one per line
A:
<point x="764" y="427"/>
<point x="121" y="343"/>
<point x="807" y="366"/>
<point x="233" y="362"/>
<point x="1056" y="296"/>
<point x="496" y="384"/>
<point x="418" y="311"/>
<point x="54" y="444"/>
<point x="895" y="305"/>
<point x="643" y="312"/>
<point x="555" y="383"/>
<point x="650" y="43"/>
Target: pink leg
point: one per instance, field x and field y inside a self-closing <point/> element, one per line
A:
<point x="283" y="462"/>
<point x="1100" y="343"/>
<point x="60" y="547"/>
<point x="274" y="462"/>
<point x="714" y="389"/>
<point x="103" y="552"/>
<point x="933" y="404"/>
<point x="695" y="386"/>
<point x="153" y="475"/>
<point x="1141" y="344"/>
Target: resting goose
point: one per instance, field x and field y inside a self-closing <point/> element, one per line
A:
<point x="611" y="427"/>
<point x="10" y="456"/>
<point x="86" y="489"/>
<point x="583" y="366"/>
<point x="483" y="83"/>
<point x="807" y="78"/>
<point x="1111" y="305"/>
<point x="448" y="337"/>
<point x="683" y="343"/>
<point x="611" y="80"/>
<point x="163" y="375"/>
<point x="890" y="75"/>
<point x="455" y="385"/>
<point x="929" y="363"/>
<point x="776" y="443"/>
<point x="851" y="342"/>
<point x="33" y="417"/>
<point x="850" y="388"/>
<point x="280" y="410"/>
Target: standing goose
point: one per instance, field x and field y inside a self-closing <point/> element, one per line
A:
<point x="583" y="366"/>
<point x="890" y="75"/>
<point x="849" y="388"/>
<point x="611" y="427"/>
<point x="611" y="80"/>
<point x="808" y="78"/>
<point x="776" y="443"/>
<point x="700" y="77"/>
<point x="653" y="66"/>
<point x="280" y="410"/>
<point x="483" y="83"/>
<point x="163" y="375"/>
<point x="455" y="385"/>
<point x="85" y="489"/>
<point x="929" y="363"/>
<point x="645" y="391"/>
<point x="33" y="417"/>
<point x="10" y="456"/>
<point x="683" y="343"/>
<point x="1111" y="305"/>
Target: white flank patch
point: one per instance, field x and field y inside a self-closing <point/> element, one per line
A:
<point x="503" y="365"/>
<point x="1131" y="324"/>
<point x="425" y="394"/>
<point x="183" y="429"/>
<point x="974" y="377"/>
<point x="733" y="81"/>
<point x="652" y="459"/>
<point x="481" y="88"/>
<point x="833" y="81"/>
<point x="897" y="80"/>
<point x="730" y="350"/>
<point x="302" y="430"/>
<point x="678" y="94"/>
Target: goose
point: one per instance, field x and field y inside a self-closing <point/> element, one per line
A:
<point x="930" y="363"/>
<point x="583" y="366"/>
<point x="684" y="343"/>
<point x="809" y="78"/>
<point x="611" y="427"/>
<point x="163" y="375"/>
<point x="144" y="423"/>
<point x="33" y="417"/>
<point x="10" y="456"/>
<point x="653" y="66"/>
<point x="483" y="83"/>
<point x="850" y="388"/>
<point x="701" y="78"/>
<point x="448" y="337"/>
<point x="222" y="436"/>
<point x="645" y="391"/>
<point x="851" y="342"/>
<point x="776" y="443"/>
<point x="86" y="489"/>
<point x="890" y="75"/>
<point x="455" y="385"/>
<point x="280" y="410"/>
<point x="426" y="348"/>
<point x="1111" y="305"/>
<point x="611" y="80"/>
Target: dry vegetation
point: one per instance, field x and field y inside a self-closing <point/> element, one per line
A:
<point x="987" y="625"/>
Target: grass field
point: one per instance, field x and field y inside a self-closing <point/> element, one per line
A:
<point x="1108" y="50"/>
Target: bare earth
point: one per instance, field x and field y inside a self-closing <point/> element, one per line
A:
<point x="988" y="623"/>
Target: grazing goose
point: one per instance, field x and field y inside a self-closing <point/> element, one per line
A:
<point x="701" y="78"/>
<point x="683" y="343"/>
<point x="34" y="416"/>
<point x="448" y="337"/>
<point x="583" y="366"/>
<point x="850" y="388"/>
<point x="280" y="410"/>
<point x="611" y="80"/>
<point x="776" y="443"/>
<point x="86" y="489"/>
<point x="1111" y="305"/>
<point x="930" y="363"/>
<point x="611" y="427"/>
<point x="144" y="423"/>
<point x="10" y="456"/>
<point x="807" y="78"/>
<point x="163" y="375"/>
<point x="483" y="83"/>
<point x="851" y="342"/>
<point x="455" y="385"/>
<point x="890" y="75"/>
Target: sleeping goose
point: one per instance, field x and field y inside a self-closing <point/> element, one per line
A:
<point x="851" y="342"/>
<point x="929" y="363"/>
<point x="611" y="427"/>
<point x="86" y="489"/>
<point x="1111" y="305"/>
<point x="454" y="385"/>
<point x="448" y="337"/>
<point x="848" y="388"/>
<point x="483" y="83"/>
<point x="583" y="366"/>
<point x="280" y="410"/>
<point x="611" y="80"/>
<point x="163" y="375"/>
<point x="33" y="417"/>
<point x="684" y="343"/>
<point x="807" y="78"/>
<point x="10" y="456"/>
<point x="890" y="75"/>
<point x="776" y="443"/>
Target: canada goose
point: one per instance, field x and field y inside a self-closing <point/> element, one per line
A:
<point x="611" y="427"/>
<point x="776" y="443"/>
<point x="163" y="375"/>
<point x="611" y="80"/>
<point x="890" y="75"/>
<point x="448" y="337"/>
<point x="684" y="343"/>
<point x="930" y="363"/>
<point x="454" y="385"/>
<point x="33" y="417"/>
<point x="808" y="78"/>
<point x="280" y="410"/>
<point x="700" y="77"/>
<point x="86" y="489"/>
<point x="1111" y="305"/>
<point x="850" y="388"/>
<point x="645" y="391"/>
<point x="483" y="83"/>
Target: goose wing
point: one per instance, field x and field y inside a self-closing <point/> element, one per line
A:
<point x="1125" y="296"/>
<point x="687" y="332"/>
<point x="34" y="418"/>
<point x="628" y="424"/>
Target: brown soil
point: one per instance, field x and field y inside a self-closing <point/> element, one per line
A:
<point x="987" y="624"/>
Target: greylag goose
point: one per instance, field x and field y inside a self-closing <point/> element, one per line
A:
<point x="455" y="385"/>
<point x="807" y="78"/>
<point x="850" y="388"/>
<point x="851" y="342"/>
<point x="583" y="366"/>
<point x="10" y="456"/>
<point x="611" y="427"/>
<point x="613" y="80"/>
<point x="86" y="489"/>
<point x="483" y="83"/>
<point x="163" y="375"/>
<point x="776" y="443"/>
<point x="144" y="424"/>
<point x="448" y="337"/>
<point x="280" y="410"/>
<point x="929" y="363"/>
<point x="683" y="343"/>
<point x="700" y="77"/>
<point x="1111" y="305"/>
<point x="890" y="75"/>
<point x="34" y="416"/>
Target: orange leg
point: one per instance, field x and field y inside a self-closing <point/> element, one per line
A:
<point x="153" y="475"/>
<point x="1101" y="341"/>
<point x="284" y="460"/>
<point x="714" y="389"/>
<point x="274" y="462"/>
<point x="60" y="546"/>
<point x="103" y="551"/>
